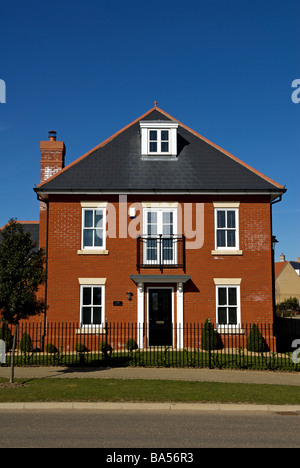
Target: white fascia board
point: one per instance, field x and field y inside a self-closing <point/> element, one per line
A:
<point x="156" y="124"/>
<point x="157" y="192"/>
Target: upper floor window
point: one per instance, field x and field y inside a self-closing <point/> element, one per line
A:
<point x="159" y="141"/>
<point x="160" y="229"/>
<point x="93" y="226"/>
<point x="226" y="229"/>
<point x="226" y="226"/>
<point x="159" y="138"/>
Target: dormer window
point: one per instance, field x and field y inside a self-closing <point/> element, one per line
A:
<point x="159" y="141"/>
<point x="159" y="138"/>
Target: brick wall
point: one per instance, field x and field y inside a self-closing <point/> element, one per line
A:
<point x="65" y="265"/>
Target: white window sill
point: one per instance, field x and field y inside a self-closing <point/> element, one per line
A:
<point x="227" y="252"/>
<point x="91" y="330"/>
<point x="92" y="252"/>
<point x="227" y="330"/>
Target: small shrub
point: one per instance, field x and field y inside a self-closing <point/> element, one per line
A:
<point x="131" y="344"/>
<point x="255" y="340"/>
<point x="137" y="359"/>
<point x="80" y="348"/>
<point x="51" y="348"/>
<point x="25" y="343"/>
<point x="209" y="336"/>
<point x="105" y="348"/>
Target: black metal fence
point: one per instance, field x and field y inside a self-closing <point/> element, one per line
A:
<point x="251" y="346"/>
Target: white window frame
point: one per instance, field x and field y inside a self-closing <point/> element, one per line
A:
<point x="226" y="207"/>
<point x="147" y="126"/>
<point x="94" y="209"/>
<point x="229" y="283"/>
<point x="92" y="326"/>
<point x="160" y="210"/>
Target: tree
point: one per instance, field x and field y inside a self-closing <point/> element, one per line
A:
<point x="21" y="274"/>
<point x="288" y="307"/>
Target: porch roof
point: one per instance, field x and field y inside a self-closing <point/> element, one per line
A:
<point x="160" y="278"/>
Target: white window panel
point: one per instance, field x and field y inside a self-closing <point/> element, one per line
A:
<point x="93" y="228"/>
<point x="160" y="227"/>
<point x="159" y="138"/>
<point x="228" y="310"/>
<point x="226" y="229"/>
<point x="92" y="305"/>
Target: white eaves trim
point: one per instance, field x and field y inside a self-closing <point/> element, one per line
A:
<point x="159" y="192"/>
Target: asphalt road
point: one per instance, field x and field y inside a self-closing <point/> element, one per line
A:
<point x="178" y="430"/>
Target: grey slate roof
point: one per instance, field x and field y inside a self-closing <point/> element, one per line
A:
<point x="118" y="166"/>
<point x="295" y="265"/>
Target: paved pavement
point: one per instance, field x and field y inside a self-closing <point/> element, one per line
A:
<point x="196" y="375"/>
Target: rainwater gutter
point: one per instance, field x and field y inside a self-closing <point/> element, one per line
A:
<point x="46" y="270"/>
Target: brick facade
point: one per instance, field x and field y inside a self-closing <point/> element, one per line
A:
<point x="66" y="265"/>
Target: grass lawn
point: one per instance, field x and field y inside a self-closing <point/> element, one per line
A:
<point x="119" y="390"/>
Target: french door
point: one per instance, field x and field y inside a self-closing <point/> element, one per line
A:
<point x="160" y="316"/>
<point x="160" y="229"/>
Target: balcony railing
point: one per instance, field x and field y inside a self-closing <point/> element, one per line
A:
<point x="161" y="251"/>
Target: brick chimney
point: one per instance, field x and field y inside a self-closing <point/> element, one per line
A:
<point x="282" y="258"/>
<point x="52" y="156"/>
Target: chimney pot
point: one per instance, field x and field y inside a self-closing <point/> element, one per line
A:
<point x="52" y="135"/>
<point x="282" y="257"/>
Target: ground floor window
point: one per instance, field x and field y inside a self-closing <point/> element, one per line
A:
<point x="92" y="305"/>
<point x="228" y="305"/>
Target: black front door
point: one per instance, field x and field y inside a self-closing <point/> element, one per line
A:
<point x="160" y="317"/>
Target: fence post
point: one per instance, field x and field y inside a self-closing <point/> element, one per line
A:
<point x="2" y="352"/>
<point x="209" y="345"/>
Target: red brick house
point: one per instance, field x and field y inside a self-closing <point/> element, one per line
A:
<point x="156" y="226"/>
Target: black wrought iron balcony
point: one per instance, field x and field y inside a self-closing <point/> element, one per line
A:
<point x="161" y="251"/>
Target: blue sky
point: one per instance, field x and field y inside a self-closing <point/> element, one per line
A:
<point x="88" y="68"/>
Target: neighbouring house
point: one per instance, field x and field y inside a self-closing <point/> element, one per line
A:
<point x="32" y="227"/>
<point x="296" y="266"/>
<point x="287" y="279"/>
<point x="156" y="226"/>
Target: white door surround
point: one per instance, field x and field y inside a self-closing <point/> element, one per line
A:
<point x="165" y="281"/>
